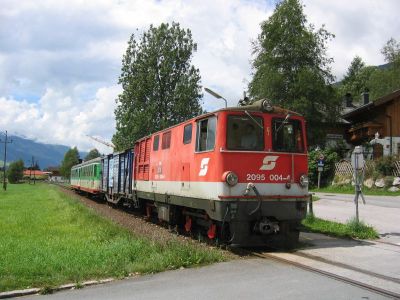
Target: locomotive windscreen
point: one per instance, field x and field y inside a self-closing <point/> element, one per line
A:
<point x="245" y="133"/>
<point x="287" y="136"/>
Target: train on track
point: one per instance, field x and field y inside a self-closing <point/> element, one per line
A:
<point x="237" y="175"/>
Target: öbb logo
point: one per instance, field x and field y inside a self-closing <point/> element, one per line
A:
<point x="204" y="166"/>
<point x="269" y="162"/>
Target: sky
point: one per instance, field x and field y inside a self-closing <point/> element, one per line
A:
<point x="60" y="59"/>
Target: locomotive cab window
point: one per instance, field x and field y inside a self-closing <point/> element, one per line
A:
<point x="245" y="133"/>
<point x="187" y="134"/>
<point x="206" y="134"/>
<point x="287" y="136"/>
<point x="156" y="141"/>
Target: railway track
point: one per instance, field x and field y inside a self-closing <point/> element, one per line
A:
<point x="365" y="279"/>
<point x="377" y="283"/>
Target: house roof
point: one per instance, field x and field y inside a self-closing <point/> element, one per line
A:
<point x="371" y="105"/>
<point x="35" y="173"/>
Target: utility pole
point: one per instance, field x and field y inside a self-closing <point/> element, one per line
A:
<point x="32" y="169"/>
<point x="6" y="141"/>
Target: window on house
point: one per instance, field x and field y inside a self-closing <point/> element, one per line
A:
<point x="187" y="134"/>
<point x="166" y="140"/>
<point x="156" y="141"/>
<point x="206" y="129"/>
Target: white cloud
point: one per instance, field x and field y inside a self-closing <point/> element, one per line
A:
<point x="60" y="62"/>
<point x="361" y="28"/>
<point x="57" y="118"/>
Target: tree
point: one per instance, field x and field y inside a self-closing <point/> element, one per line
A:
<point x="15" y="171"/>
<point x="35" y="167"/>
<point x="380" y="80"/>
<point x="160" y="85"/>
<point x="94" y="153"/>
<point x="291" y="67"/>
<point x="391" y="51"/>
<point x="386" y="80"/>
<point x="71" y="158"/>
<point x="356" y="80"/>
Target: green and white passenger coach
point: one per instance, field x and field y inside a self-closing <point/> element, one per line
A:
<point x="87" y="176"/>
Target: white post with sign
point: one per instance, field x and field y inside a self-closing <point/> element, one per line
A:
<point x="357" y="161"/>
<point x="320" y="166"/>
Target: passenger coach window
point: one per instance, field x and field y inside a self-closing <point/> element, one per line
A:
<point x="287" y="136"/>
<point x="166" y="140"/>
<point x="206" y="134"/>
<point x="245" y="133"/>
<point x="187" y="134"/>
<point x="156" y="141"/>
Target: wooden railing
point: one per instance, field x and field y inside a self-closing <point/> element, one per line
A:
<point x="344" y="167"/>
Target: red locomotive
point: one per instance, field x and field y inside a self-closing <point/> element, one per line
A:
<point x="238" y="174"/>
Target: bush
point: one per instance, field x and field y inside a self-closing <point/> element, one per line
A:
<point x="385" y="165"/>
<point x="331" y="157"/>
<point x="15" y="171"/>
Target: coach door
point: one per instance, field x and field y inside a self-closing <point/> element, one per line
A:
<point x="143" y="159"/>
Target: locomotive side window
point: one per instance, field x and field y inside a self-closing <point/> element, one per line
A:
<point x="287" y="136"/>
<point x="156" y="141"/>
<point x="166" y="140"/>
<point x="206" y="134"/>
<point x="187" y="134"/>
<point x="245" y="133"/>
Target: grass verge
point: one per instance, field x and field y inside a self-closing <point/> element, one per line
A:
<point x="346" y="189"/>
<point x="48" y="238"/>
<point x="352" y="229"/>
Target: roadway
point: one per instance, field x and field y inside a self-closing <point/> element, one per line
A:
<point x="382" y="212"/>
<point x="239" y="279"/>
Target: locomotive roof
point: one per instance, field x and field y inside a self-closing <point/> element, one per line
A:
<point x="253" y="107"/>
<point x="256" y="106"/>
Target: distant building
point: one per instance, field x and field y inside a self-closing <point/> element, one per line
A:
<point x="375" y="124"/>
<point x="55" y="175"/>
<point x="37" y="174"/>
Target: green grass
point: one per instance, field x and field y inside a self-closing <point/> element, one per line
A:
<point x="352" y="229"/>
<point x="350" y="190"/>
<point x="48" y="238"/>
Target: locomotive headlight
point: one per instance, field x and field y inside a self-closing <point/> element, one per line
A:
<point x="304" y="180"/>
<point x="230" y="178"/>
<point x="267" y="106"/>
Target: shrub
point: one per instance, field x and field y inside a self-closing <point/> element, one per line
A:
<point x="385" y="165"/>
<point x="15" y="171"/>
<point x="331" y="157"/>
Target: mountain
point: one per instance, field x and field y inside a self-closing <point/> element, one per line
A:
<point x="45" y="154"/>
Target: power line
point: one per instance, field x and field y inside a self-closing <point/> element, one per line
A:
<point x="6" y="141"/>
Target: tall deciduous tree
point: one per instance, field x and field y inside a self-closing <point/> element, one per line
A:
<point x="356" y="79"/>
<point x="379" y="81"/>
<point x="291" y="67"/>
<point x="15" y="171"/>
<point x="94" y="153"/>
<point x="391" y="51"/>
<point x="160" y="85"/>
<point x="71" y="158"/>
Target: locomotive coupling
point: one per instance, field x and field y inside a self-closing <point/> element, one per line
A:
<point x="266" y="226"/>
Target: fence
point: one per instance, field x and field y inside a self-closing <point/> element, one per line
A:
<point x="344" y="167"/>
<point x="396" y="171"/>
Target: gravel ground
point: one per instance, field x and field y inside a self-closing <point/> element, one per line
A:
<point x="137" y="225"/>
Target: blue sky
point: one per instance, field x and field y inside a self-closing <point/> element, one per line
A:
<point x="60" y="60"/>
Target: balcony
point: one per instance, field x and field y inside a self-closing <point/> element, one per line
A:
<point x="364" y="131"/>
